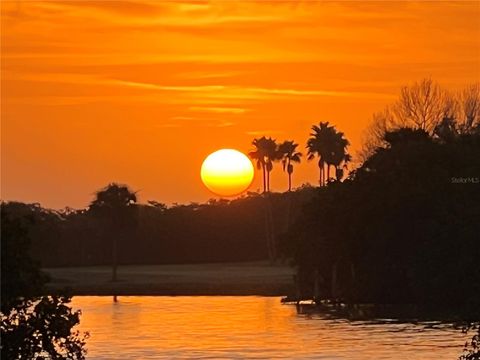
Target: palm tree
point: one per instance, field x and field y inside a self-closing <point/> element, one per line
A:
<point x="288" y="155"/>
<point x="271" y="151"/>
<point x="339" y="170"/>
<point x="114" y="201"/>
<point x="321" y="143"/>
<point x="338" y="156"/>
<point x="265" y="154"/>
<point x="259" y="155"/>
<point x="330" y="146"/>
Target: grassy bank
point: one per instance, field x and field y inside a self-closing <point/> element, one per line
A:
<point x="253" y="278"/>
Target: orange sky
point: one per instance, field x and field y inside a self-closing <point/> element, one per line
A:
<point x="141" y="92"/>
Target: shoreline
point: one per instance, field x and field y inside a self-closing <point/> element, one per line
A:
<point x="227" y="279"/>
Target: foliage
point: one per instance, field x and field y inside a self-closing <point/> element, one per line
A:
<point x="403" y="228"/>
<point x="21" y="276"/>
<point x="330" y="146"/>
<point x="42" y="329"/>
<point x="425" y="105"/>
<point x="113" y="206"/>
<point x="33" y="326"/>
<point x="114" y="196"/>
<point x="216" y="231"/>
<point x="472" y="347"/>
<point x="265" y="154"/>
<point x="288" y="154"/>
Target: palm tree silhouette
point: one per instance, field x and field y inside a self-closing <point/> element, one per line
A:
<point x="331" y="148"/>
<point x="339" y="169"/>
<point x="288" y="155"/>
<point x="338" y="156"/>
<point x="321" y="144"/>
<point x="265" y="154"/>
<point x="114" y="201"/>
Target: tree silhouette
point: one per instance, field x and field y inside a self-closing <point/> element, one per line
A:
<point x="113" y="203"/>
<point x="330" y="147"/>
<point x="472" y="348"/>
<point x="32" y="326"/>
<point x="259" y="155"/>
<point x="412" y="234"/>
<point x="423" y="105"/>
<point x="265" y="154"/>
<point x="288" y="154"/>
<point x="469" y="108"/>
<point x="317" y="145"/>
<point x="338" y="156"/>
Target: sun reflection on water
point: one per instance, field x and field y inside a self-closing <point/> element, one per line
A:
<point x="248" y="327"/>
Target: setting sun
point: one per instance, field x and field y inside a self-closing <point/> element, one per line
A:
<point x="239" y="179"/>
<point x="227" y="172"/>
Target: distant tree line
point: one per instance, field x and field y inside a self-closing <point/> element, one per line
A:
<point x="117" y="229"/>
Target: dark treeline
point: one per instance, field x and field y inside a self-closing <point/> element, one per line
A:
<point x="153" y="233"/>
<point x="32" y="324"/>
<point x="403" y="228"/>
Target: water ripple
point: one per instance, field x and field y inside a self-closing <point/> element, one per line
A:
<point x="249" y="327"/>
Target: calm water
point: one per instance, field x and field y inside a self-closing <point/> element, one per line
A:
<point x="250" y="327"/>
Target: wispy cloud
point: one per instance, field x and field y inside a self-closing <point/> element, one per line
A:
<point x="143" y="85"/>
<point x="263" y="132"/>
<point x="208" y="75"/>
<point x="225" y="124"/>
<point x="219" y="110"/>
<point x="168" y="125"/>
<point x="179" y="121"/>
<point x="200" y="98"/>
<point x="242" y="92"/>
<point x="183" y="118"/>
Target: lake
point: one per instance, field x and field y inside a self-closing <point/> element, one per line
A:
<point x="249" y="327"/>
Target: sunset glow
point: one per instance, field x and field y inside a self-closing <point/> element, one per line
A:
<point x="102" y="91"/>
<point x="227" y="172"/>
<point x="274" y="179"/>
